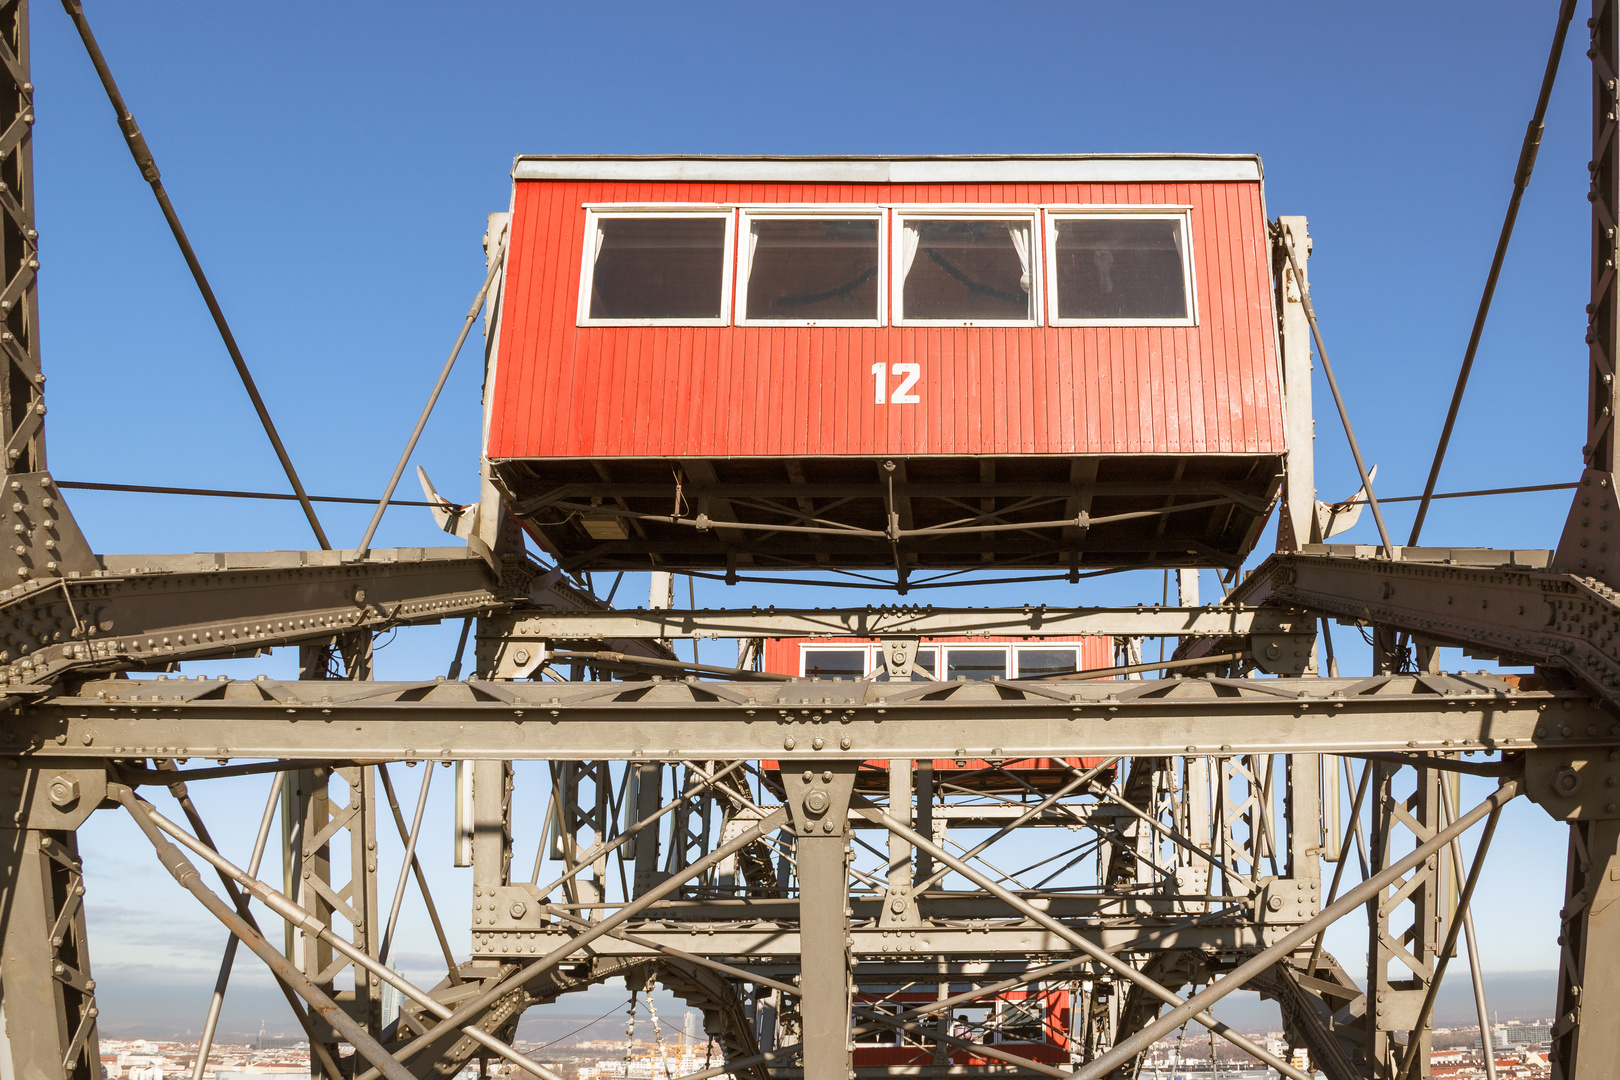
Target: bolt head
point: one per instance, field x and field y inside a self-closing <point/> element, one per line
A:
<point x="1275" y="903"/>
<point x="817" y="802"/>
<point x="521" y="656"/>
<point x="64" y="791"/>
<point x="519" y="909"/>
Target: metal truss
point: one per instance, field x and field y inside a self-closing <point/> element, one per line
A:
<point x="824" y="868"/>
<point x="802" y="720"/>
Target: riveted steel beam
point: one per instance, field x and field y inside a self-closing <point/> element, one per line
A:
<point x="803" y="720"/>
<point x="1035" y="621"/>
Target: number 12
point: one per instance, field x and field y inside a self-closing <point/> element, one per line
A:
<point x="908" y="375"/>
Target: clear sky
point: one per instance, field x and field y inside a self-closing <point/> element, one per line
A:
<point x="334" y="164"/>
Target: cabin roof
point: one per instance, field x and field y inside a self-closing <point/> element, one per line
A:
<point x="898" y="169"/>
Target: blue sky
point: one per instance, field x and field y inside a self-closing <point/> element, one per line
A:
<point x="334" y="164"/>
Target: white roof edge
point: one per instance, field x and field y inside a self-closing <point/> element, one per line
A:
<point x="1050" y="169"/>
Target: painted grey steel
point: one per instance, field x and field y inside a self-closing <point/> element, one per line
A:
<point x="1353" y="899"/>
<point x="186" y="874"/>
<point x="1333" y="385"/>
<point x="496" y="262"/>
<point x="911" y="621"/>
<point x="808" y="722"/>
<point x="1296" y="514"/>
<point x="985" y="169"/>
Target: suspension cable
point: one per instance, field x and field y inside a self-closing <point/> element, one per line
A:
<point x="149" y="170"/>
<point x="1521" y="179"/>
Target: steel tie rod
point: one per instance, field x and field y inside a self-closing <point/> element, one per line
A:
<point x="295" y="913"/>
<point x="1108" y="960"/>
<point x="495" y="265"/>
<point x="1367" y="891"/>
<point x="1521" y="180"/>
<point x="149" y="169"/>
<point x="211" y="1024"/>
<point x="474" y="1006"/>
<point x="175" y="862"/>
<point x="1338" y="398"/>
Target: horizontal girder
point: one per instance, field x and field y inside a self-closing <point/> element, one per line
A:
<point x="1037" y="621"/>
<point x="799" y="720"/>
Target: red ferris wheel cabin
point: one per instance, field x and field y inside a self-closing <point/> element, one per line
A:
<point x="790" y="363"/>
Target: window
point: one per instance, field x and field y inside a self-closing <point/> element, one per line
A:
<point x="1120" y="269"/>
<point x="645" y="268"/>
<point x="975" y="663"/>
<point x="957" y="269"/>
<point x="881" y="1036"/>
<point x="847" y="663"/>
<point x="853" y="661"/>
<point x="1021" y="1021"/>
<point x="802" y="270"/>
<point x="1043" y="661"/>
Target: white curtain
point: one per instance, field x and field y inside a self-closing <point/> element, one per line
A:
<point x="910" y="238"/>
<point x="601" y="242"/>
<point x="1019" y="232"/>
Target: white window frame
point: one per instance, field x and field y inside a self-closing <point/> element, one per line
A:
<point x="595" y="212"/>
<point x="1189" y="277"/>
<point x="942" y="663"/>
<point x="828" y="211"/>
<point x="1019" y="650"/>
<point x="805" y="647"/>
<point x="970" y="212"/>
<point x="874" y="654"/>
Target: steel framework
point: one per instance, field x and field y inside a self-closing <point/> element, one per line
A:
<point x="821" y="866"/>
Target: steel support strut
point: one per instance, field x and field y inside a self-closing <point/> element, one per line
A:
<point x="47" y="996"/>
<point x="820" y="799"/>
<point x="1586" y="1032"/>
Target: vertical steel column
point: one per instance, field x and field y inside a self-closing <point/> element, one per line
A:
<point x="492" y="822"/>
<point x="819" y="802"/>
<point x="1394" y="1004"/>
<point x="900" y="807"/>
<point x="47" y="996"/>
<point x="42" y="540"/>
<point x="1603" y="314"/>
<point x="1297" y="523"/>
<point x="310" y="822"/>
<point x="22" y="391"/>
<point x="1586" y="1032"/>
<point x="649" y="789"/>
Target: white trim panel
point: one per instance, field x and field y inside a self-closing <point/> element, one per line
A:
<point x="855" y="170"/>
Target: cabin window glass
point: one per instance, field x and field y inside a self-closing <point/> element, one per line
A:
<point x="1021" y="1021"/>
<point x="965" y="270"/>
<point x="648" y="268"/>
<point x="975" y="663"/>
<point x="1038" y="662"/>
<point x="882" y="1036"/>
<point x="835" y="663"/>
<point x="922" y="666"/>
<point x="1121" y="269"/>
<point x="811" y="270"/>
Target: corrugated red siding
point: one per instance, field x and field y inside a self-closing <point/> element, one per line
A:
<point x="782" y="654"/>
<point x="564" y="391"/>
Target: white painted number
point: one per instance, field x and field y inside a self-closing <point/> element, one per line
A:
<point x="908" y="374"/>
<point x="902" y="393"/>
